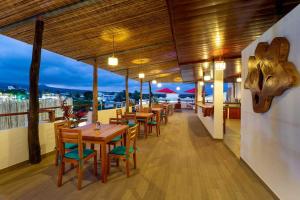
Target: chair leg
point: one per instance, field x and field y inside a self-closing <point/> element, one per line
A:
<point x="95" y="164"/>
<point x="117" y="162"/>
<point x="134" y="160"/>
<point x="108" y="164"/>
<point x="157" y="130"/>
<point x="60" y="173"/>
<point x="56" y="157"/>
<point x="79" y="172"/>
<point x="127" y="167"/>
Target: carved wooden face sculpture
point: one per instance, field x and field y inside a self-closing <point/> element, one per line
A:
<point x="269" y="73"/>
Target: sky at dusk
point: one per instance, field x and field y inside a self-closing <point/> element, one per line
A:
<point x="59" y="71"/>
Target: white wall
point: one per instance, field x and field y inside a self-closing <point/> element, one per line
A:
<point x="14" y="145"/>
<point x="270" y="142"/>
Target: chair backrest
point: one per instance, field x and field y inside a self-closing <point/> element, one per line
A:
<point x="131" y="138"/>
<point x="130" y="117"/>
<point x="67" y="135"/>
<point x="115" y="120"/>
<point x="57" y="127"/>
<point x="119" y="113"/>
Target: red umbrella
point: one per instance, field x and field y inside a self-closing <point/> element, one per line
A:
<point x="192" y="91"/>
<point x="166" y="90"/>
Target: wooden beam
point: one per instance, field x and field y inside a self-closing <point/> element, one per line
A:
<point x="51" y="13"/>
<point x="33" y="116"/>
<point x="141" y="94"/>
<point x="95" y="92"/>
<point x="127" y="92"/>
<point x="209" y="60"/>
<point x="137" y="50"/>
<point x="150" y="94"/>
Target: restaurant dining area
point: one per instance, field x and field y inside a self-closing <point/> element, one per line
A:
<point x="237" y="138"/>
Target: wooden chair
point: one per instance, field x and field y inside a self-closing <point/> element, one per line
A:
<point x="155" y="122"/>
<point x="76" y="157"/>
<point x="124" y="152"/>
<point x="130" y="119"/>
<point x="119" y="138"/>
<point x="68" y="146"/>
<point x="165" y="115"/>
<point x="119" y="113"/>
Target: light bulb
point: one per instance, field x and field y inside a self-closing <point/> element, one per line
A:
<point x="220" y="65"/>
<point x="113" y="61"/>
<point x="141" y="75"/>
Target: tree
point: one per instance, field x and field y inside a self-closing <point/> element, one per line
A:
<point x="135" y="96"/>
<point x="121" y="96"/>
<point x="88" y="95"/>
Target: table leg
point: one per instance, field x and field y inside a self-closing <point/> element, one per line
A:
<point x="103" y="163"/>
<point x="146" y="127"/>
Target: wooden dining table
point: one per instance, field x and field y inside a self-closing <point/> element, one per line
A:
<point x="145" y="117"/>
<point x="102" y="136"/>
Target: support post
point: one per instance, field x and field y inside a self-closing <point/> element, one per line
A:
<point x="150" y="94"/>
<point x="33" y="115"/>
<point x="141" y="95"/>
<point x="127" y="92"/>
<point x="218" y="104"/>
<point x="196" y="97"/>
<point x="95" y="92"/>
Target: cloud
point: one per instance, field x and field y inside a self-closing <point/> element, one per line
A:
<point x="59" y="71"/>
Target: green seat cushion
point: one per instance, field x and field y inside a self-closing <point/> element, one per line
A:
<point x="152" y="123"/>
<point x="116" y="139"/>
<point x="121" y="150"/>
<point x="74" y="154"/>
<point x="131" y="124"/>
<point x="70" y="146"/>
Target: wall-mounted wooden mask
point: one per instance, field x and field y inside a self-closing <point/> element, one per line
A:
<point x="269" y="73"/>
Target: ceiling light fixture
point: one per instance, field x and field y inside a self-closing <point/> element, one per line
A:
<point x="220" y="65"/>
<point x="141" y="75"/>
<point x="154" y="82"/>
<point x="113" y="61"/>
<point x="159" y="85"/>
<point x="239" y="80"/>
<point x="207" y="78"/>
<point x="177" y="88"/>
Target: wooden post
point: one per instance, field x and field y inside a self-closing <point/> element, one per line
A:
<point x="150" y="95"/>
<point x="196" y="97"/>
<point x="127" y="92"/>
<point x="95" y="92"/>
<point x="33" y="115"/>
<point x="141" y="95"/>
<point x="203" y="93"/>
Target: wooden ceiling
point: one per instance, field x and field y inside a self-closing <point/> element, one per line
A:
<point x="167" y="40"/>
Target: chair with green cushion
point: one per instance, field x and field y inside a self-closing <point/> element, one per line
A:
<point x="68" y="146"/>
<point x="119" y="138"/>
<point x="131" y="119"/>
<point x="155" y="122"/>
<point x="76" y="157"/>
<point x="124" y="152"/>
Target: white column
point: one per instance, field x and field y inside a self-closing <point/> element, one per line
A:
<point x="218" y="104"/>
